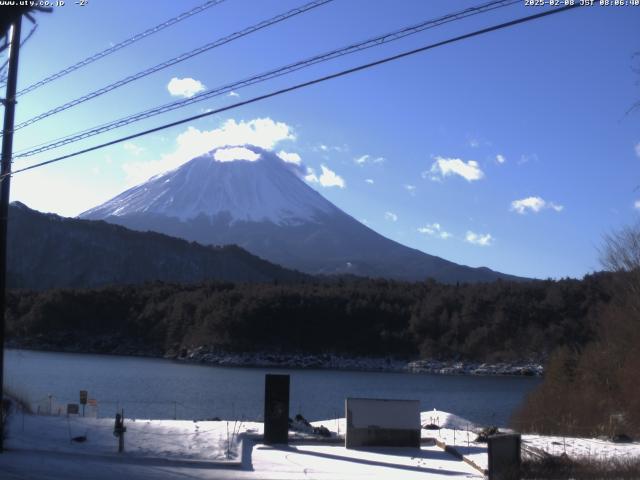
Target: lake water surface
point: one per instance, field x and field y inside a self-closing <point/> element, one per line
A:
<point x="158" y="388"/>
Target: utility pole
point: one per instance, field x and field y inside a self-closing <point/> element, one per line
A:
<point x="5" y="182"/>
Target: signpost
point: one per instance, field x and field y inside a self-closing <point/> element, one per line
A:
<point x="119" y="429"/>
<point x="83" y="399"/>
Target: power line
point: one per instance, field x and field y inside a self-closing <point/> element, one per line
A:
<point x="302" y="85"/>
<point x="353" y="48"/>
<point x="180" y="58"/>
<point x="123" y="44"/>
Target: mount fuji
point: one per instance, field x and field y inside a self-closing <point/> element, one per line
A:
<point x="250" y="197"/>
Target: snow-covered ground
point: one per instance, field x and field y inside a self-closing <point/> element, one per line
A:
<point x="168" y="439"/>
<point x="460" y="434"/>
<point x="593" y="448"/>
<point x="40" y="447"/>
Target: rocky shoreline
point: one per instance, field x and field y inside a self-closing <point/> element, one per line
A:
<point x="215" y="357"/>
<point x="339" y="362"/>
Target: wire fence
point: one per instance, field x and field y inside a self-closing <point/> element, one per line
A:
<point x="470" y="441"/>
<point x="50" y="427"/>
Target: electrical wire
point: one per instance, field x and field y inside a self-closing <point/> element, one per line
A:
<point x="353" y="48"/>
<point x="123" y="44"/>
<point x="302" y="85"/>
<point x="173" y="61"/>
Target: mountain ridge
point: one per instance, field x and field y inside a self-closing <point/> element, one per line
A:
<point x="301" y="230"/>
<point x="49" y="251"/>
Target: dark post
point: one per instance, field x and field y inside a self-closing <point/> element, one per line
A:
<point x="276" y="409"/>
<point x="504" y="456"/>
<point x="83" y="399"/>
<point x="119" y="429"/>
<point x="5" y="169"/>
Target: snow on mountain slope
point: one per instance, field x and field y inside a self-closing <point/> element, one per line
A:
<point x="260" y="187"/>
<point x="248" y="196"/>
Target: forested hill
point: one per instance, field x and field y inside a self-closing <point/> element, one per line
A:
<point x="49" y="251"/>
<point x="485" y="322"/>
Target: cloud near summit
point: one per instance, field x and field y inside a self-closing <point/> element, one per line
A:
<point x="261" y="132"/>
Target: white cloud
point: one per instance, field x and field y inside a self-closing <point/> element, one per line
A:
<point x="444" y="167"/>
<point x="328" y="148"/>
<point x="369" y="181"/>
<point x="261" y="132"/>
<point x="500" y="158"/>
<point x="435" y="230"/>
<point x="483" y="240"/>
<point x="533" y="204"/>
<point x="474" y="143"/>
<point x="184" y="87"/>
<point x="368" y="159"/>
<point x="637" y="149"/>
<point x="392" y="217"/>
<point x="636" y="204"/>
<point x="235" y="153"/>
<point x="290" y="157"/>
<point x="410" y="188"/>
<point x="132" y="148"/>
<point x="328" y="178"/>
<point x="311" y="175"/>
<point x="233" y="94"/>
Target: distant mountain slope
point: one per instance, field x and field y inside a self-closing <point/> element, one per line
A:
<point x="46" y="251"/>
<point x="263" y="205"/>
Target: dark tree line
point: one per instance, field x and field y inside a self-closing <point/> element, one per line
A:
<point x="484" y="322"/>
<point x="594" y="389"/>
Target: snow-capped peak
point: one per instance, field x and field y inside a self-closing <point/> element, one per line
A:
<point x="246" y="182"/>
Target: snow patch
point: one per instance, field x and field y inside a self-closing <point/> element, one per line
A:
<point x="263" y="187"/>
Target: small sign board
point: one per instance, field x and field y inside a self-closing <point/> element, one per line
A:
<point x="73" y="409"/>
<point x="92" y="402"/>
<point x="373" y="422"/>
<point x="83" y="397"/>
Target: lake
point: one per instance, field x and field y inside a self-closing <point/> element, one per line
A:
<point x="158" y="388"/>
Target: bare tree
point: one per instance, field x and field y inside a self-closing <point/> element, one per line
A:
<point x="621" y="251"/>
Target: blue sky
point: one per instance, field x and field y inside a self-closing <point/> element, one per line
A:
<point x="512" y="150"/>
